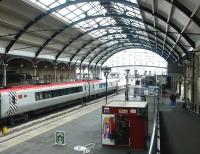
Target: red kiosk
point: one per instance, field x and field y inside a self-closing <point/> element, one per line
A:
<point x="125" y="123"/>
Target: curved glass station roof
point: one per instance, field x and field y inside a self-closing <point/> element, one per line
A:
<point x="143" y="61"/>
<point x="88" y="32"/>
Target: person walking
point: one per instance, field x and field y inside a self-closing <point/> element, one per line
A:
<point x="173" y="99"/>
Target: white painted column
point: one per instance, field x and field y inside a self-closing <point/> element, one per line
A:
<point x="55" y="74"/>
<point x="4" y="75"/>
<point x="35" y="73"/>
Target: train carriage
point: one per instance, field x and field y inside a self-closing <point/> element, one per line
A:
<point x="22" y="99"/>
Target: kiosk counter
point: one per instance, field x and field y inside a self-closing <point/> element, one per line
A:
<point x="125" y="123"/>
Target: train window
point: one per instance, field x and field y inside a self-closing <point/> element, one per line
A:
<point x="102" y="85"/>
<point x="64" y="91"/>
<point x="81" y="89"/>
<point x="56" y="93"/>
<point x="48" y="94"/>
<point x="37" y="96"/>
<point x="70" y="90"/>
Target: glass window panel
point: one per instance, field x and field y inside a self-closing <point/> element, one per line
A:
<point x="47" y="2"/>
<point x="76" y="12"/>
<point x="64" y="11"/>
<point x="61" y="1"/>
<point x="71" y="16"/>
<point x="72" y="7"/>
<point x="54" y="5"/>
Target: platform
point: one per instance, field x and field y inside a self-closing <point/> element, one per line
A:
<point x="179" y="131"/>
<point x="79" y="131"/>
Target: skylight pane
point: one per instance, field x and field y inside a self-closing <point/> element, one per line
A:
<point x="47" y="2"/>
<point x="64" y="11"/>
<point x="76" y="12"/>
<point x="61" y="1"/>
<point x="54" y="5"/>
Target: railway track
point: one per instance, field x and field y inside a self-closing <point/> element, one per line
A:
<point x="51" y="120"/>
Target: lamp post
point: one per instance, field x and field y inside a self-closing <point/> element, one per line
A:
<point x="106" y="71"/>
<point x="126" y="91"/>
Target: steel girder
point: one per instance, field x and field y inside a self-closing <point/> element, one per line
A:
<point x="116" y="44"/>
<point x="155" y="47"/>
<point x="128" y="47"/>
<point x="110" y="15"/>
<point x="98" y="46"/>
<point x="73" y="24"/>
<point x="137" y="65"/>
<point x="129" y="17"/>
<point x="39" y="17"/>
<point x="110" y="26"/>
<point x="44" y="14"/>
<point x="110" y="34"/>
<point x="116" y="15"/>
<point x="185" y="10"/>
<point x="185" y="36"/>
<point x="121" y="16"/>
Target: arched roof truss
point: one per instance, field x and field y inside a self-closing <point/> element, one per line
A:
<point x="90" y="31"/>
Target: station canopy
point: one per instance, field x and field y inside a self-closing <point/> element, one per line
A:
<point x="88" y="32"/>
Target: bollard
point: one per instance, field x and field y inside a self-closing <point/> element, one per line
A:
<point x="5" y="130"/>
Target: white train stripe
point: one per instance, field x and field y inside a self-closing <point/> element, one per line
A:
<point x="11" y="111"/>
<point x="13" y="94"/>
<point x="13" y="103"/>
<point x="13" y="107"/>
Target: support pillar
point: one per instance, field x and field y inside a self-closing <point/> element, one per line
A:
<point x="35" y="74"/>
<point x="55" y="74"/>
<point x="185" y="71"/>
<point x="98" y="73"/>
<point x="83" y="72"/>
<point x="88" y="73"/>
<point x="179" y="91"/>
<point x="4" y="75"/>
<point x="193" y="80"/>
<point x="80" y="73"/>
<point x="95" y="73"/>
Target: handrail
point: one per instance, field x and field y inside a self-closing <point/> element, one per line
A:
<point x="193" y="108"/>
<point x="153" y="143"/>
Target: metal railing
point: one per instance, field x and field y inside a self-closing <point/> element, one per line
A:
<point x="154" y="147"/>
<point x="193" y="108"/>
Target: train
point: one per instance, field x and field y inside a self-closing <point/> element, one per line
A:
<point x="20" y="100"/>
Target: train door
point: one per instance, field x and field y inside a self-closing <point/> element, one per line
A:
<point x="122" y="134"/>
<point x="87" y="86"/>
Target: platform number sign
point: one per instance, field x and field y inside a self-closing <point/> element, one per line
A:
<point x="60" y="138"/>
